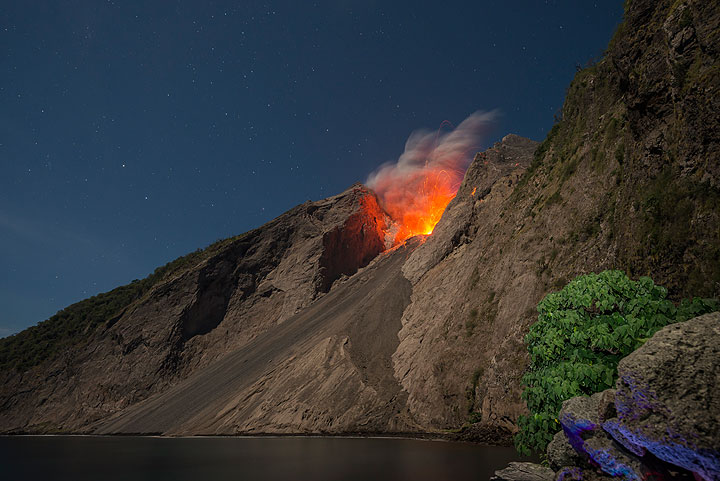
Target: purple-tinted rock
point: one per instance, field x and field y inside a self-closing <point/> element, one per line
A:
<point x="613" y="460"/>
<point x="668" y="396"/>
<point x="581" y="416"/>
<point x="612" y="426"/>
<point x="570" y="473"/>
<point x="573" y="473"/>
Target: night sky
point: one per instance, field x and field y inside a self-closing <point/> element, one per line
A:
<point x="134" y="132"/>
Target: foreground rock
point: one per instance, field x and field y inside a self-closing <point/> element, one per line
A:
<point x="663" y="420"/>
<point x="560" y="453"/>
<point x="668" y="396"/>
<point x="524" y="472"/>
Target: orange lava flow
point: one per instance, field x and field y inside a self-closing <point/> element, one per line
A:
<point x="423" y="203"/>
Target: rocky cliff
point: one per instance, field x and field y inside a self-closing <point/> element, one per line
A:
<point x="627" y="179"/>
<point x="661" y="422"/>
<point x="308" y="324"/>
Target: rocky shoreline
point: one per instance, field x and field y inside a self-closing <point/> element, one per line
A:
<point x="662" y="420"/>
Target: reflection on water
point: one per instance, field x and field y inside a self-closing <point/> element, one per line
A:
<point x="296" y="458"/>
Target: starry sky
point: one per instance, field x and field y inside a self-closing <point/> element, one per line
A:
<point x="134" y="132"/>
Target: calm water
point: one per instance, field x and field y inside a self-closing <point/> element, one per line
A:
<point x="238" y="459"/>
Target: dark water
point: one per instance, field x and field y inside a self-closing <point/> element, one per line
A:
<point x="138" y="458"/>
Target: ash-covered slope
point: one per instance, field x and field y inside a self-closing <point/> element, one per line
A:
<point x="273" y="332"/>
<point x="326" y="369"/>
<point x="229" y="295"/>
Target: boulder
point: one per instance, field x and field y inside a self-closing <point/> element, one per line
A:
<point x="582" y="416"/>
<point x="561" y="454"/>
<point x="614" y="460"/>
<point x="524" y="472"/>
<point x="668" y="396"/>
<point x="583" y="419"/>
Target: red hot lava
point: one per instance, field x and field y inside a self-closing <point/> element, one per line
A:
<point x="417" y="188"/>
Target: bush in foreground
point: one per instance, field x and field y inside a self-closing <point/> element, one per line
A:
<point x="581" y="334"/>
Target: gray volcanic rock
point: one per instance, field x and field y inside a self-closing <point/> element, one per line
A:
<point x="668" y="397"/>
<point x="574" y="473"/>
<point x="582" y="420"/>
<point x="455" y="325"/>
<point x="560" y="453"/>
<point x="662" y="421"/>
<point x="614" y="460"/>
<point x="524" y="472"/>
<point x="582" y="417"/>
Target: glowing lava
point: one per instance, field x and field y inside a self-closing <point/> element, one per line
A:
<point x="416" y="189"/>
<point x="420" y="207"/>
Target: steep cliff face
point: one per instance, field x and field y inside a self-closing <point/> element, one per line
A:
<point x="231" y="295"/>
<point x="627" y="179"/>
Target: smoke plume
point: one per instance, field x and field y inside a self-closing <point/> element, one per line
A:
<point x="416" y="189"/>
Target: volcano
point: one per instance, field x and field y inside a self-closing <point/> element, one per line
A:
<point x="293" y="327"/>
<point x="319" y="322"/>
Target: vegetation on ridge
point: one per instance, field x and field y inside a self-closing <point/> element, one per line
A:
<point x="581" y="334"/>
<point x="75" y="323"/>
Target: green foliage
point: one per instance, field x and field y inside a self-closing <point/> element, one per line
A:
<point x="539" y="155"/>
<point x="74" y="324"/>
<point x="581" y="334"/>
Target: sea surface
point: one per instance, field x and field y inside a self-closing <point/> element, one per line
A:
<point x="238" y="459"/>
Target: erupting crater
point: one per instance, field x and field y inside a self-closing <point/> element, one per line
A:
<point x="418" y="207"/>
<point x="417" y="188"/>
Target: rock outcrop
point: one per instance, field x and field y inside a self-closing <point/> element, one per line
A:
<point x="668" y="397"/>
<point x="661" y="421"/>
<point x="560" y="453"/>
<point x="524" y="472"/>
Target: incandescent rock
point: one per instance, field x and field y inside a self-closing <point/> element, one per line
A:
<point x="668" y="397"/>
<point x="524" y="472"/>
<point x="458" y="222"/>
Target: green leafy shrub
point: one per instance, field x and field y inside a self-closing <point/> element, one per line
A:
<point x="581" y="334"/>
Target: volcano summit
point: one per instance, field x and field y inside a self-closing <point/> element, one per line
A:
<point x="293" y="327"/>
